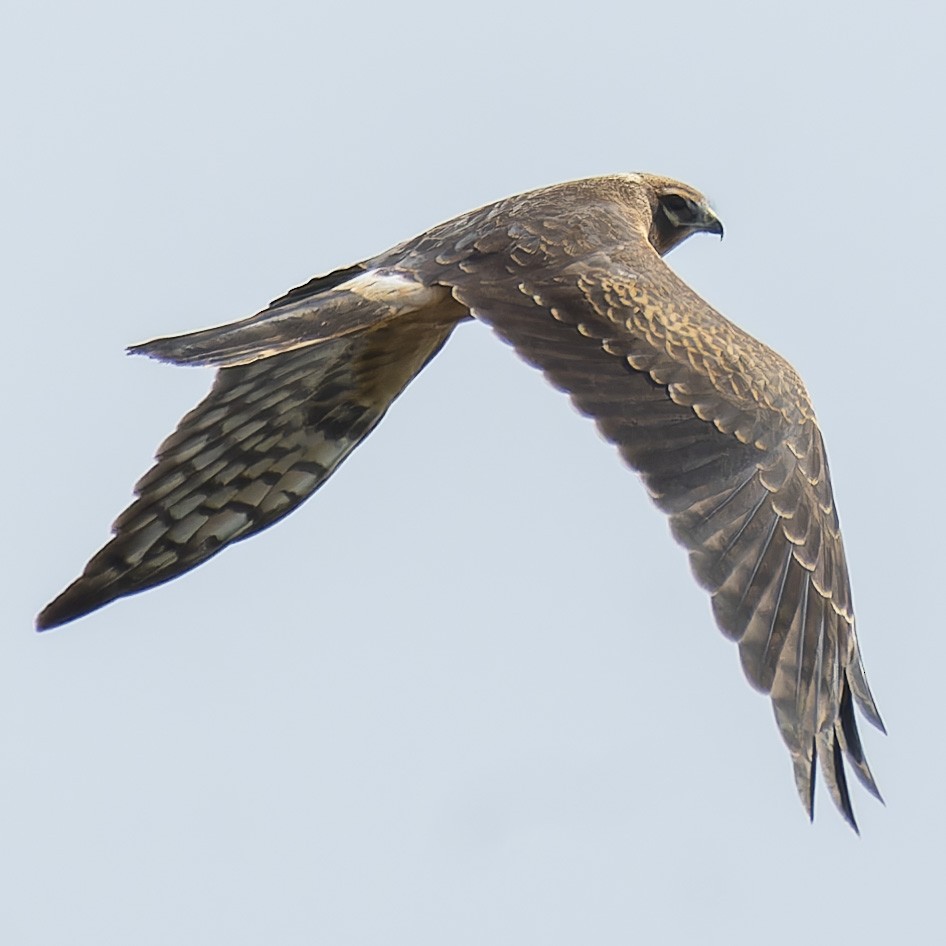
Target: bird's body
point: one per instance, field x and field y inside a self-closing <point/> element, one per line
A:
<point x="718" y="425"/>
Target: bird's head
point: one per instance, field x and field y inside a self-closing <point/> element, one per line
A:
<point x="677" y="211"/>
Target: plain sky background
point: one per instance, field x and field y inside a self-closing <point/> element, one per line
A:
<point x="469" y="693"/>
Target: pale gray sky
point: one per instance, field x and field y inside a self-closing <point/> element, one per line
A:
<point x="469" y="693"/>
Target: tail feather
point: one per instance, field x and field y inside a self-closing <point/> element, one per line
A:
<point x="340" y="304"/>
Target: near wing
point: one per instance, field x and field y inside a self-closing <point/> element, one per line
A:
<point x="721" y="430"/>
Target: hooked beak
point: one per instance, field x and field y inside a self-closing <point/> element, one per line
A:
<point x="710" y="223"/>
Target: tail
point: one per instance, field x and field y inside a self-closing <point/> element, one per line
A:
<point x="328" y="307"/>
<point x="268" y="435"/>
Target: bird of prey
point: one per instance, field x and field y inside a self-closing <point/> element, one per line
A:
<point x="720" y="427"/>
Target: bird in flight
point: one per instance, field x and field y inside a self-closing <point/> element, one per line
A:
<point x="719" y="427"/>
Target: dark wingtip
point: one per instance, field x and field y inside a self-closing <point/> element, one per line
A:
<point x="872" y="715"/>
<point x="79" y="599"/>
<point x="812" y="781"/>
<point x="55" y="614"/>
<point x="857" y="680"/>
<point x="850" y="741"/>
<point x="47" y="619"/>
<point x="844" y="802"/>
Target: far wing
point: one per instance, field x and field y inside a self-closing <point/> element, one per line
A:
<point x="265" y="438"/>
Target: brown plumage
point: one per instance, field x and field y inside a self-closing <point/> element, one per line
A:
<point x="719" y="426"/>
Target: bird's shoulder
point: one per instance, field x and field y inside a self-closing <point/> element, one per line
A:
<point x="581" y="251"/>
<point x="548" y="228"/>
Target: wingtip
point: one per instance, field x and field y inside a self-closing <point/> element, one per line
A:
<point x="848" y="814"/>
<point x="79" y="599"/>
<point x="865" y="777"/>
<point x="805" y="771"/>
<point x="871" y="713"/>
<point x="857" y="680"/>
<point x="55" y="614"/>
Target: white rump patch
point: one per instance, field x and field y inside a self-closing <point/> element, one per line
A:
<point x="396" y="290"/>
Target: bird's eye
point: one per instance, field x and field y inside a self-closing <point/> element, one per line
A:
<point x="677" y="208"/>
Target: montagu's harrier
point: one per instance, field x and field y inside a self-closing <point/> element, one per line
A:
<point x="719" y="427"/>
